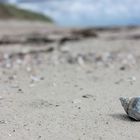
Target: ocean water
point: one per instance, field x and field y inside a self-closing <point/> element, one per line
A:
<point x="87" y="12"/>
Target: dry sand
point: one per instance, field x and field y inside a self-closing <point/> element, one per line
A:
<point x="72" y="91"/>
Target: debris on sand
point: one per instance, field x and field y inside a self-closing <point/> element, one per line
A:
<point x="131" y="106"/>
<point x="26" y="39"/>
<point x="31" y="52"/>
<point x="1" y="97"/>
<point x="3" y="122"/>
<point x="122" y="68"/>
<point x="48" y="38"/>
<point x="134" y="37"/>
<point x="34" y="78"/>
<point x="65" y="39"/>
<point x="84" y="33"/>
<point x="132" y="79"/>
<point x="38" y="39"/>
<point x="76" y="101"/>
<point x="88" y="96"/>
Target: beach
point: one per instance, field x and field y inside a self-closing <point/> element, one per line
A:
<point x="65" y="83"/>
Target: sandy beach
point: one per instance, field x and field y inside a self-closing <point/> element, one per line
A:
<point x="64" y="84"/>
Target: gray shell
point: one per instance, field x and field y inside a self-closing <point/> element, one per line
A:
<point x="131" y="106"/>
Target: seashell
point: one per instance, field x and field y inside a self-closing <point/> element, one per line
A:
<point x="131" y="106"/>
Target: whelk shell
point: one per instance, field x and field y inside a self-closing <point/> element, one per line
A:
<point x="131" y="106"/>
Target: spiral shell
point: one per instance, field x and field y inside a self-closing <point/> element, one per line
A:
<point x="131" y="106"/>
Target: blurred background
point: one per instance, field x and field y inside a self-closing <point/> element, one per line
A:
<point x="85" y="13"/>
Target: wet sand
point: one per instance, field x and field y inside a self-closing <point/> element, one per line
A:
<point x="65" y="84"/>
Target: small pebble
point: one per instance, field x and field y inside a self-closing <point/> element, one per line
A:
<point x="34" y="78"/>
<point x="122" y="68"/>
<point x="76" y="101"/>
<point x="2" y="122"/>
<point x="87" y="96"/>
<point x="1" y="97"/>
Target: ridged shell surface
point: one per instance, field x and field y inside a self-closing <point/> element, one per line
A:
<point x="131" y="106"/>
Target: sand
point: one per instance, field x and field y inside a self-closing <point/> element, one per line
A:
<point x="71" y="92"/>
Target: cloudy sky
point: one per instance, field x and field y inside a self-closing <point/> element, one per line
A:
<point x="87" y="12"/>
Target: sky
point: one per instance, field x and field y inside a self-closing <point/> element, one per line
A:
<point x="86" y="12"/>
